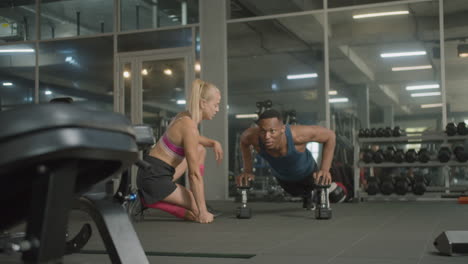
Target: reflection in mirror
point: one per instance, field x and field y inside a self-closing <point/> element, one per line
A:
<point x="17" y="64"/>
<point x="163" y="92"/>
<point x="146" y="14"/>
<point x="70" y="68"/>
<point x="68" y="18"/>
<point x="252" y="8"/>
<point x="18" y="20"/>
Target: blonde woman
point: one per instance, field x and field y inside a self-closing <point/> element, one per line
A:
<point x="180" y="147"/>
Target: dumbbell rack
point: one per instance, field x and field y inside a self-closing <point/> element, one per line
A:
<point x="425" y="138"/>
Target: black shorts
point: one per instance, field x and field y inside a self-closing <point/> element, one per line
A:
<point x="302" y="187"/>
<point x="155" y="184"/>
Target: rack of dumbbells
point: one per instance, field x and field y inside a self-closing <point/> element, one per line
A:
<point x="403" y="179"/>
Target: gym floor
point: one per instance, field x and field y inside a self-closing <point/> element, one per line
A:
<point x="360" y="233"/>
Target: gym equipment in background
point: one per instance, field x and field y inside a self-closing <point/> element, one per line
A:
<point x="452" y="242"/>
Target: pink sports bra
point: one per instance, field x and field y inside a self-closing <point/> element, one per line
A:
<point x="170" y="148"/>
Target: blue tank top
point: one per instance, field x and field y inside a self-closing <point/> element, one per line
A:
<point x="294" y="166"/>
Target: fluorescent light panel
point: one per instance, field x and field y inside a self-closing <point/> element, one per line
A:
<point x="181" y="102"/>
<point x="332" y="92"/>
<point x="422" y="87"/>
<point x="431" y="105"/>
<point x="7" y="84"/>
<point x="379" y="14"/>
<point x="302" y="76"/>
<point x="338" y="100"/>
<point x="16" y="50"/>
<point x="242" y="116"/>
<point x="403" y="54"/>
<point x="412" y="68"/>
<point x="425" y="94"/>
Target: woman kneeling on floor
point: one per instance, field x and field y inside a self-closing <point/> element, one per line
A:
<point x="180" y="147"/>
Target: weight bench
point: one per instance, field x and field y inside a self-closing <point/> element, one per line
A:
<point x="52" y="154"/>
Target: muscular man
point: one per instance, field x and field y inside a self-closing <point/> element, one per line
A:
<point x="284" y="148"/>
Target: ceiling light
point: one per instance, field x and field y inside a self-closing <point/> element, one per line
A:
<point x="243" y="116"/>
<point x="462" y="50"/>
<point x="332" y="92"/>
<point x="425" y="94"/>
<point x="181" y="102"/>
<point x="302" y="76"/>
<point x="431" y="105"/>
<point x="47" y="92"/>
<point x="126" y="74"/>
<point x="178" y="89"/>
<point x="338" y="100"/>
<point x="144" y="72"/>
<point x="16" y="50"/>
<point x="172" y="16"/>
<point x="274" y="87"/>
<point x="403" y="54"/>
<point x="412" y="68"/>
<point x="422" y="87"/>
<point x="168" y="72"/>
<point x="7" y="84"/>
<point x="392" y="13"/>
<point x="197" y="67"/>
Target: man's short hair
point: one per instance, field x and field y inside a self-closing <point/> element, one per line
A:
<point x="270" y="113"/>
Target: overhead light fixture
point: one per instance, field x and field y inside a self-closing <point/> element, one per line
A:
<point x="425" y="94"/>
<point x="144" y="72"/>
<point x="16" y="50"/>
<point x="332" y="92"/>
<point x="431" y="105"/>
<point x="243" y="116"/>
<point x="412" y="68"/>
<point x="403" y="54"/>
<point x="274" y="87"/>
<point x="338" y="100"/>
<point x="178" y="89"/>
<point x="168" y="72"/>
<point x="181" y="102"/>
<point x="462" y="50"/>
<point x="422" y="87"/>
<point x="197" y="67"/>
<point x="47" y="92"/>
<point x="126" y="74"/>
<point x="379" y="14"/>
<point x="7" y="84"/>
<point x="302" y="76"/>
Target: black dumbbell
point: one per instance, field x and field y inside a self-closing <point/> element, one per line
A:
<point x="379" y="132"/>
<point x="397" y="131"/>
<point x="373" y="132"/>
<point x="399" y="156"/>
<point x="402" y="184"/>
<point x="444" y="154"/>
<point x="419" y="184"/>
<point x="323" y="210"/>
<point x="361" y="133"/>
<point x="460" y="154"/>
<point x="411" y="156"/>
<point x="387" y="132"/>
<point x="372" y="186"/>
<point x="244" y="212"/>
<point x="461" y="129"/>
<point x="451" y="129"/>
<point x="424" y="155"/>
<point x="389" y="153"/>
<point x="387" y="184"/>
<point x="378" y="156"/>
<point x="367" y="156"/>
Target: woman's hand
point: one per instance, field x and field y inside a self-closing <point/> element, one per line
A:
<point x="218" y="150"/>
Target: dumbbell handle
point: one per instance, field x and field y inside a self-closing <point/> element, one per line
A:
<point x="244" y="197"/>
